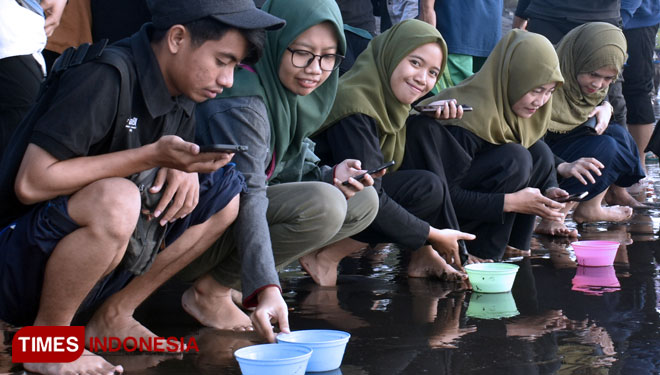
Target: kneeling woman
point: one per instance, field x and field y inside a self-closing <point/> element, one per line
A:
<point x="591" y="57"/>
<point x="497" y="166"/>
<point x="368" y="122"/>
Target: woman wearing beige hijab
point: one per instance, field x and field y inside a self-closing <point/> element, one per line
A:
<point x="601" y="159"/>
<point x="500" y="174"/>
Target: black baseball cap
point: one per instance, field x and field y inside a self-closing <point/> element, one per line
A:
<point x="242" y="14"/>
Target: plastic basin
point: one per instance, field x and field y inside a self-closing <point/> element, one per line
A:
<point x="273" y="359"/>
<point x="595" y="253"/>
<point x="328" y="346"/>
<point x="491" y="277"/>
<point x="492" y="306"/>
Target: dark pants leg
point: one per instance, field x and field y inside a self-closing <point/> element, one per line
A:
<point x="638" y="74"/>
<point x="543" y="176"/>
<point x="20" y="79"/>
<point x="502" y="169"/>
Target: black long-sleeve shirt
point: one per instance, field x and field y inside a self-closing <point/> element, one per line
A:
<point x="356" y="137"/>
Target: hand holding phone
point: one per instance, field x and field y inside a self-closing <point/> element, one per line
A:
<point x="434" y="107"/>
<point x="371" y="171"/>
<point x="230" y="149"/>
<point x="572" y="198"/>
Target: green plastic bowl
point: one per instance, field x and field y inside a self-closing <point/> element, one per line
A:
<point x="491" y="277"/>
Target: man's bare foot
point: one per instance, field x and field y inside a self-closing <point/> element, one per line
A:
<point x="110" y="322"/>
<point x="476" y="260"/>
<point x="512" y="252"/>
<point x="211" y="304"/>
<point x="88" y="363"/>
<point x="591" y="213"/>
<point x="554" y="228"/>
<point x="617" y="195"/>
<point x="426" y="262"/>
<point x="320" y="267"/>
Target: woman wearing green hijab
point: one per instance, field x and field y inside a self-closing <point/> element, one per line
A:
<point x="591" y="57"/>
<point x="368" y="122"/>
<point x="272" y="108"/>
<point x="496" y="165"/>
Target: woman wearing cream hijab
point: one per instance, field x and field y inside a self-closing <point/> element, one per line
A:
<point x="599" y="156"/>
<point x="501" y="175"/>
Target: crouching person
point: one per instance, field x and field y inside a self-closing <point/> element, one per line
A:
<point x="73" y="246"/>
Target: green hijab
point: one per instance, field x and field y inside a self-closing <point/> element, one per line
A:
<point x="520" y="62"/>
<point x="292" y="117"/>
<point x="585" y="49"/>
<point x="365" y="88"/>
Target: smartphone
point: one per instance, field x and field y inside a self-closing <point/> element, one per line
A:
<point x="591" y="124"/>
<point x="573" y="197"/>
<point x="223" y="148"/>
<point x="371" y="171"/>
<point x="433" y="107"/>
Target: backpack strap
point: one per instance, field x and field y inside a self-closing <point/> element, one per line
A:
<point x="121" y="61"/>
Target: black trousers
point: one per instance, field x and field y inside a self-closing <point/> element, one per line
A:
<point x="638" y="74"/>
<point x="422" y="193"/>
<point x="497" y="169"/>
<point x="20" y="79"/>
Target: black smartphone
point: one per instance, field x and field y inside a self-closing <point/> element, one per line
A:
<point x="223" y="148"/>
<point x="371" y="171"/>
<point x="591" y="124"/>
<point x="573" y="197"/>
<point x="432" y="108"/>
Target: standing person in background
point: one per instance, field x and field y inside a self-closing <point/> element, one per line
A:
<point x="23" y="33"/>
<point x="75" y="29"/>
<point x="640" y="25"/>
<point x="471" y="28"/>
<point x="359" y="28"/>
<point x="555" y="18"/>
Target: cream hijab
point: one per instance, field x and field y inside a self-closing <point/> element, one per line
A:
<point x="585" y="49"/>
<point x="520" y="62"/>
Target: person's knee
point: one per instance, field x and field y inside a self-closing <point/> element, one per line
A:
<point x="225" y="217"/>
<point x="366" y="209"/>
<point x="328" y="211"/>
<point x="519" y="163"/>
<point x="109" y="207"/>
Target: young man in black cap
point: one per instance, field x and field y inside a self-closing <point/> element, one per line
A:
<point x="65" y="252"/>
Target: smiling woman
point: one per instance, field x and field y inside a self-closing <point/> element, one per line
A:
<point x="494" y="159"/>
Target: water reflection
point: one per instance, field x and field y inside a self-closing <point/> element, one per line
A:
<point x="492" y="306"/>
<point x="595" y="280"/>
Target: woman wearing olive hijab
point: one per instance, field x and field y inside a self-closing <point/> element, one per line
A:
<point x="368" y="122"/>
<point x="602" y="156"/>
<point x="496" y="164"/>
<point x="272" y="108"/>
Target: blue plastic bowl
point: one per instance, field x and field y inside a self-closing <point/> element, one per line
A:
<point x="273" y="359"/>
<point x="328" y="346"/>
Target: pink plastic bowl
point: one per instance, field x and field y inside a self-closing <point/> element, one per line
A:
<point x="595" y="253"/>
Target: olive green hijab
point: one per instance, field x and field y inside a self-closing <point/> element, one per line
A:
<point x="585" y="49"/>
<point x="365" y="88"/>
<point x="520" y="62"/>
<point x="292" y="117"/>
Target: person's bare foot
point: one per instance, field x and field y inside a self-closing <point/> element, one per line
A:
<point x="554" y="228"/>
<point x="320" y="267"/>
<point x="88" y="363"/>
<point x="426" y="262"/>
<point x="322" y="264"/>
<point x="512" y="252"/>
<point x="211" y="304"/>
<point x="617" y="195"/>
<point x="592" y="213"/>
<point x="476" y="260"/>
<point x="110" y="322"/>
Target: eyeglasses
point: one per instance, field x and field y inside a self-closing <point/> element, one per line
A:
<point x="302" y="59"/>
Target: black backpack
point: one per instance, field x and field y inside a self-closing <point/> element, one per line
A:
<point x="13" y="155"/>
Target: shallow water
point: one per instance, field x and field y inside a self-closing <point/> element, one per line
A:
<point x="602" y="321"/>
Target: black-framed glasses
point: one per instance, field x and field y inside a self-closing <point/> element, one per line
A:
<point x="302" y="59"/>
